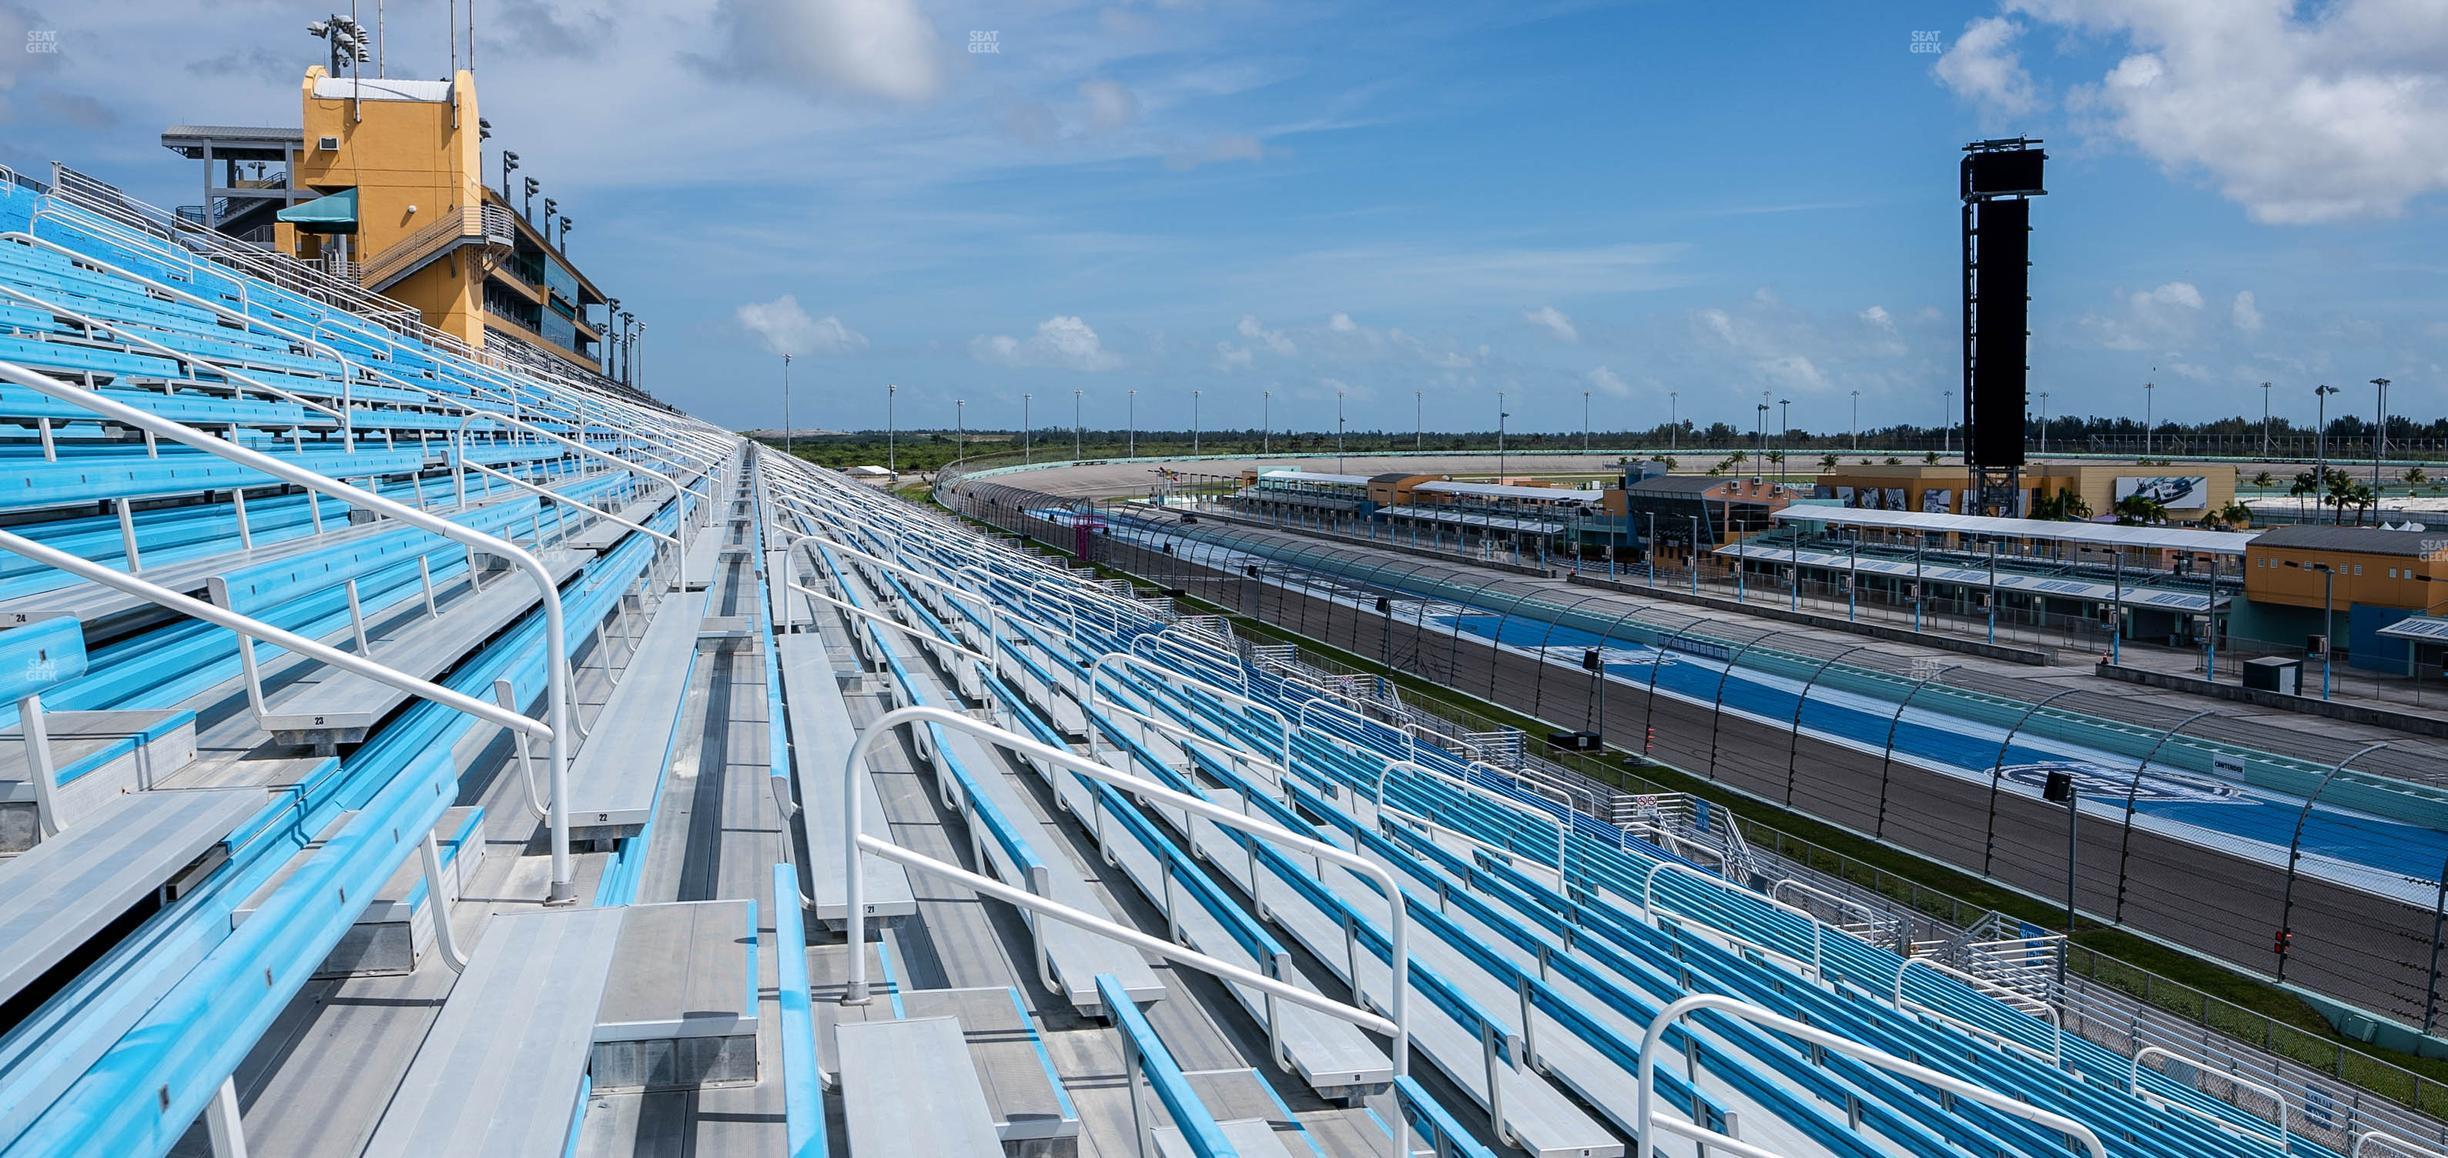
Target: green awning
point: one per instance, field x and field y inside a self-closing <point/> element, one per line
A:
<point x="331" y="213"/>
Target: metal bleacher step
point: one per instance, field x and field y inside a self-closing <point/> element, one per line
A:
<point x="1026" y="1095"/>
<point x="618" y="771"/>
<point x="395" y="930"/>
<point x="905" y="1093"/>
<point x="1255" y="1121"/>
<point x="97" y="756"/>
<point x="68" y="889"/>
<point x="680" y="1007"/>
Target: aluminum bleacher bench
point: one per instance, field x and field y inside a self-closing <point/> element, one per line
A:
<point x="69" y="888"/>
<point x="907" y="1088"/>
<point x="475" y="1091"/>
<point x="821" y="735"/>
<point x="618" y="771"/>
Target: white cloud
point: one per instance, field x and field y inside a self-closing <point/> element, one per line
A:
<point x="1342" y="324"/>
<point x="2245" y="313"/>
<point x="877" y="48"/>
<point x="1216" y="150"/>
<point x="1554" y="321"/>
<point x="2175" y="293"/>
<point x="1878" y="316"/>
<point x="1609" y="382"/>
<point x="1982" y="67"/>
<point x="1110" y="106"/>
<point x="2298" y="112"/>
<point x="785" y="328"/>
<point x="1273" y="340"/>
<point x="1063" y="342"/>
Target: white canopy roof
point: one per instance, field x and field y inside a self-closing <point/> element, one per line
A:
<point x="1310" y="476"/>
<point x="1510" y="491"/>
<point x="2229" y="543"/>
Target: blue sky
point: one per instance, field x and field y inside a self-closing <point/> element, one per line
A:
<point x="1378" y="199"/>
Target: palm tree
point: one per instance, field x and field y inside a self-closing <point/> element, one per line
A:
<point x="2303" y="486"/>
<point x="2064" y="506"/>
<point x="2265" y="480"/>
<point x="2235" y="515"/>
<point x="2341" y="492"/>
<point x="1828" y="462"/>
<point x="2415" y="476"/>
<point x="2140" y="509"/>
<point x="1930" y="457"/>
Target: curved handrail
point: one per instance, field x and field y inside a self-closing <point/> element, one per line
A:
<point x="563" y="889"/>
<point x="2285" y="1142"/>
<point x="855" y="842"/>
<point x="1281" y="770"/>
<point x="1654" y="1041"/>
<point x="1989" y="989"/>
<point x="994" y="613"/>
<point x="679" y="504"/>
<point x="1562" y="826"/>
<point x="2385" y="1138"/>
<point x="1649" y="914"/>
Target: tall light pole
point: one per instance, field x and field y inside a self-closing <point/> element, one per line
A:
<point x="1501" y="415"/>
<point x="2044" y="423"/>
<point x="1075" y="424"/>
<point x="2320" y="446"/>
<point x="960" y="429"/>
<point x="2379" y="432"/>
<point x="1759" y="467"/>
<point x="1194" y="423"/>
<point x="1674" y="419"/>
<point x="1419" y="422"/>
<point x="1130" y="413"/>
<point x="2265" y="419"/>
<point x="1946" y="421"/>
<point x="2148" y="389"/>
<point x="1585" y="422"/>
<point x="1338" y="430"/>
<point x="1266" y="422"/>
<point x="892" y="443"/>
<point x="786" y="418"/>
<point x="610" y="343"/>
<point x="1784" y="441"/>
<point x="1028" y="433"/>
<point x="1857" y="422"/>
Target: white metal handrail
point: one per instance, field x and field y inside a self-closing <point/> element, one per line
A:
<point x="126" y="335"/>
<point x="2055" y="1056"/>
<point x="2284" y="1142"/>
<point x="1650" y="914"/>
<point x="1096" y="701"/>
<point x="1563" y="829"/>
<point x="563" y="889"/>
<point x="994" y="613"/>
<point x="2389" y="1140"/>
<point x="855" y="841"/>
<point x="679" y="504"/>
<point x="1653" y="1044"/>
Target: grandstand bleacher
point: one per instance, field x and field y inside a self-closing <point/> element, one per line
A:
<point x="412" y="752"/>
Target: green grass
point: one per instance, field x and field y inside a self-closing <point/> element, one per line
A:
<point x="2238" y="1005"/>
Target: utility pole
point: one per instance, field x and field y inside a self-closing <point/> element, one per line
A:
<point x="1946" y="421"/>
<point x="960" y="429"/>
<point x="786" y="418"/>
<point x="1130" y="411"/>
<point x="2044" y="423"/>
<point x="1585" y="422"/>
<point x="1266" y="422"/>
<point x="891" y="443"/>
<point x="1759" y="467"/>
<point x="1674" y="421"/>
<point x="1028" y="433"/>
<point x="1857" y="422"/>
<point x="1194" y="423"/>
<point x="1075" y="424"/>
<point x="1419" y="422"/>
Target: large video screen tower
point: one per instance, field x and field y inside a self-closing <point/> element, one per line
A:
<point x="1999" y="179"/>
